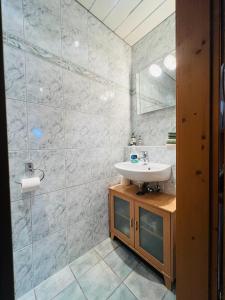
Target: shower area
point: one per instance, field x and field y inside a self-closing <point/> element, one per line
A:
<point x="68" y="112"/>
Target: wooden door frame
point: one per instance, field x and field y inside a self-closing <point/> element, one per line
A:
<point x="216" y="60"/>
<point x="198" y="47"/>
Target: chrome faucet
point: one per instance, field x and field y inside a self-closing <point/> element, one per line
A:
<point x="144" y="157"/>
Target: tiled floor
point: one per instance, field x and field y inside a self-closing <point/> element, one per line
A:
<point x="109" y="271"/>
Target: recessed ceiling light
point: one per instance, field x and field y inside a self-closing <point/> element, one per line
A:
<point x="170" y="62"/>
<point x="155" y="70"/>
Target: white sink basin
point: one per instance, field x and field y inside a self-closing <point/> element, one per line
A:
<point x="152" y="172"/>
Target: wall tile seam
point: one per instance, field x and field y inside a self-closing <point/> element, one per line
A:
<point x="59" y="149"/>
<point x="66" y="188"/>
<point x="27" y="47"/>
<point x="38" y="240"/>
<point x="64" y="107"/>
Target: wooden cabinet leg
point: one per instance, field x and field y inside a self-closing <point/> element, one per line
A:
<point x="112" y="236"/>
<point x="168" y="283"/>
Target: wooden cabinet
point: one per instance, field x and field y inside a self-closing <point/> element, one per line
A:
<point x="147" y="225"/>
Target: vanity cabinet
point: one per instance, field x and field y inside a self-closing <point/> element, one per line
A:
<point x="147" y="225"/>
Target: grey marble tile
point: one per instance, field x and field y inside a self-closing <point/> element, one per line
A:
<point x="17" y="172"/>
<point x="76" y="91"/>
<point x="75" y="46"/>
<point x="12" y="10"/>
<point x="44" y="82"/>
<point x="52" y="162"/>
<point x="84" y="263"/>
<point x="77" y="245"/>
<point x="107" y="246"/>
<point x="85" y="165"/>
<point x="99" y="282"/>
<point x="122" y="261"/>
<point x="48" y="214"/>
<point x="49" y="288"/>
<point x="46" y="127"/>
<point x="42" y="24"/>
<point x="122" y="293"/>
<point x="98" y="60"/>
<point x="28" y="296"/>
<point x="119" y="131"/>
<point x="169" y="296"/>
<point x="85" y="200"/>
<point x="49" y="256"/>
<point x="87" y="209"/>
<point x="14" y="65"/>
<point x="21" y="223"/>
<point x="85" y="130"/>
<point x="72" y="292"/>
<point x="97" y="31"/>
<point x="159" y="124"/>
<point x="16" y="125"/>
<point x="144" y="284"/>
<point x="116" y="155"/>
<point x="23" y="271"/>
<point x="74" y="15"/>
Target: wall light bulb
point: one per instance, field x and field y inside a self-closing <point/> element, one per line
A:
<point x="155" y="70"/>
<point x="170" y="62"/>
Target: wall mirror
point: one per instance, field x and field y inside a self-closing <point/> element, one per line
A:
<point x="156" y="84"/>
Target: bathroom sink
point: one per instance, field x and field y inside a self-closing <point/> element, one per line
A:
<point x="151" y="172"/>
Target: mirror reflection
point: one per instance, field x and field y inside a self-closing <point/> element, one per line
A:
<point x="156" y="84"/>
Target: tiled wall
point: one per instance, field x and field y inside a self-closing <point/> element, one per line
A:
<point x="68" y="111"/>
<point x="153" y="126"/>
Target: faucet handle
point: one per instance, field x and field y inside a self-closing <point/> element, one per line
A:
<point x="144" y="154"/>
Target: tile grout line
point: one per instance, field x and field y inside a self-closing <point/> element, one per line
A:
<point x="61" y="62"/>
<point x="79" y="283"/>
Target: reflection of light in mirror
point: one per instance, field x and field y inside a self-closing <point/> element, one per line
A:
<point x="76" y="44"/>
<point x="170" y="62"/>
<point x="155" y="70"/>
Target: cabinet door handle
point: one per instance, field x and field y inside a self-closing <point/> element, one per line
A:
<point x="136" y="225"/>
<point x="131" y="222"/>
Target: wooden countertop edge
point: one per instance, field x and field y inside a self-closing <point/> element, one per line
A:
<point x="162" y="201"/>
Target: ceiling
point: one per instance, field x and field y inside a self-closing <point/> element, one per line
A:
<point x="130" y="19"/>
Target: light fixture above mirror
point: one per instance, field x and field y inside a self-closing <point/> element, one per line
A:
<point x="155" y="70"/>
<point x="170" y="62"/>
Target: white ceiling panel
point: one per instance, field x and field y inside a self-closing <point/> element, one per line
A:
<point x="101" y="8"/>
<point x="120" y="12"/>
<point x="130" y="19"/>
<point x="86" y="3"/>
<point x="157" y="17"/>
<point x="143" y="10"/>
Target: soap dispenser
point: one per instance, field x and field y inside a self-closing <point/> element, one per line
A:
<point x="134" y="155"/>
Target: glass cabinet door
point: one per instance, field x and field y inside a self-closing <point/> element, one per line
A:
<point x="122" y="216"/>
<point x="151" y="233"/>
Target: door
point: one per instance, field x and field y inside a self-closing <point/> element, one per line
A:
<point x="122" y="218"/>
<point x="152" y="236"/>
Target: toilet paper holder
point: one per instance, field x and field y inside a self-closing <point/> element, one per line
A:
<point x="29" y="168"/>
